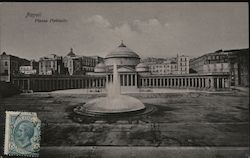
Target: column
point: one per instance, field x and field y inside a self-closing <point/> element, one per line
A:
<point x="107" y="78"/>
<point x="131" y="79"/>
<point x="142" y="83"/>
<point x="204" y="82"/>
<point x="212" y="83"/>
<point x="127" y="79"/>
<point x="85" y="83"/>
<point x="136" y="80"/>
<point x="121" y="79"/>
<point x="218" y="82"/>
<point x="197" y="82"/>
<point x="227" y="84"/>
<point x="200" y="82"/>
<point x="82" y="83"/>
<point x="90" y="83"/>
<point x="162" y="82"/>
<point x="28" y="84"/>
<point x="223" y="83"/>
<point x="63" y="84"/>
<point x="146" y="82"/>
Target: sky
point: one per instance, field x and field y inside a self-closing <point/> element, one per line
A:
<point x="150" y="29"/>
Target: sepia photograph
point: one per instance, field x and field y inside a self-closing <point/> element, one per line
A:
<point x="124" y="79"/>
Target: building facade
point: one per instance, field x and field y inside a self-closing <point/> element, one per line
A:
<point x="10" y="65"/>
<point x="80" y="65"/>
<point x="235" y="62"/>
<point x="211" y="63"/>
<point x="27" y="70"/>
<point x="88" y="63"/>
<point x="31" y="69"/>
<point x="182" y="64"/>
<point x="50" y="65"/>
<point x="178" y="65"/>
<point x="164" y="68"/>
<point x="239" y="67"/>
<point x="72" y="63"/>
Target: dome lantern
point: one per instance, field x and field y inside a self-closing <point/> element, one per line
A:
<point x="71" y="53"/>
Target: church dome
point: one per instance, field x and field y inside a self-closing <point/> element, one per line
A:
<point x="142" y="67"/>
<point x="71" y="54"/>
<point x="101" y="67"/>
<point x="122" y="51"/>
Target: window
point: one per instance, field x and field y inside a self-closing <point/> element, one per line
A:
<point x="6" y="63"/>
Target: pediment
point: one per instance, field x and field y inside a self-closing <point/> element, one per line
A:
<point x="125" y="69"/>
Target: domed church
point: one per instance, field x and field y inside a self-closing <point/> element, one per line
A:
<point x="128" y="66"/>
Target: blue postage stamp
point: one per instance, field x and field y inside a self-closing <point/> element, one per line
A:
<point x="22" y="134"/>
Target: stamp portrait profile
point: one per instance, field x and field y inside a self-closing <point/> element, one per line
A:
<point x="22" y="134"/>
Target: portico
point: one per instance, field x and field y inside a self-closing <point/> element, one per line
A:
<point x="217" y="81"/>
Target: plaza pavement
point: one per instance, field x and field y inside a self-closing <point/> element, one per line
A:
<point x="189" y="124"/>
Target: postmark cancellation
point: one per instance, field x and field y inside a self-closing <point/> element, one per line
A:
<point x="22" y="134"/>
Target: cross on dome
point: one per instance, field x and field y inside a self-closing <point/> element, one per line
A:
<point x="122" y="45"/>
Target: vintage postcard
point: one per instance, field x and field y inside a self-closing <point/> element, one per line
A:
<point x="130" y="80"/>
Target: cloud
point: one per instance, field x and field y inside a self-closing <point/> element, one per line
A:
<point x="143" y="36"/>
<point x="99" y="21"/>
<point x="148" y="26"/>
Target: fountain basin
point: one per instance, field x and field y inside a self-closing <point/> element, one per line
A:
<point x="114" y="105"/>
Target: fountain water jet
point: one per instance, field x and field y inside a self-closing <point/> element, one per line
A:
<point x="113" y="103"/>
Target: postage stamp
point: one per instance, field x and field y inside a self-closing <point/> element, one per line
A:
<point x="22" y="134"/>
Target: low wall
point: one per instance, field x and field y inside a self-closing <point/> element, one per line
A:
<point x="7" y="89"/>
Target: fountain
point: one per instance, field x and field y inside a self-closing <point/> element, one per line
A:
<point x="114" y="103"/>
